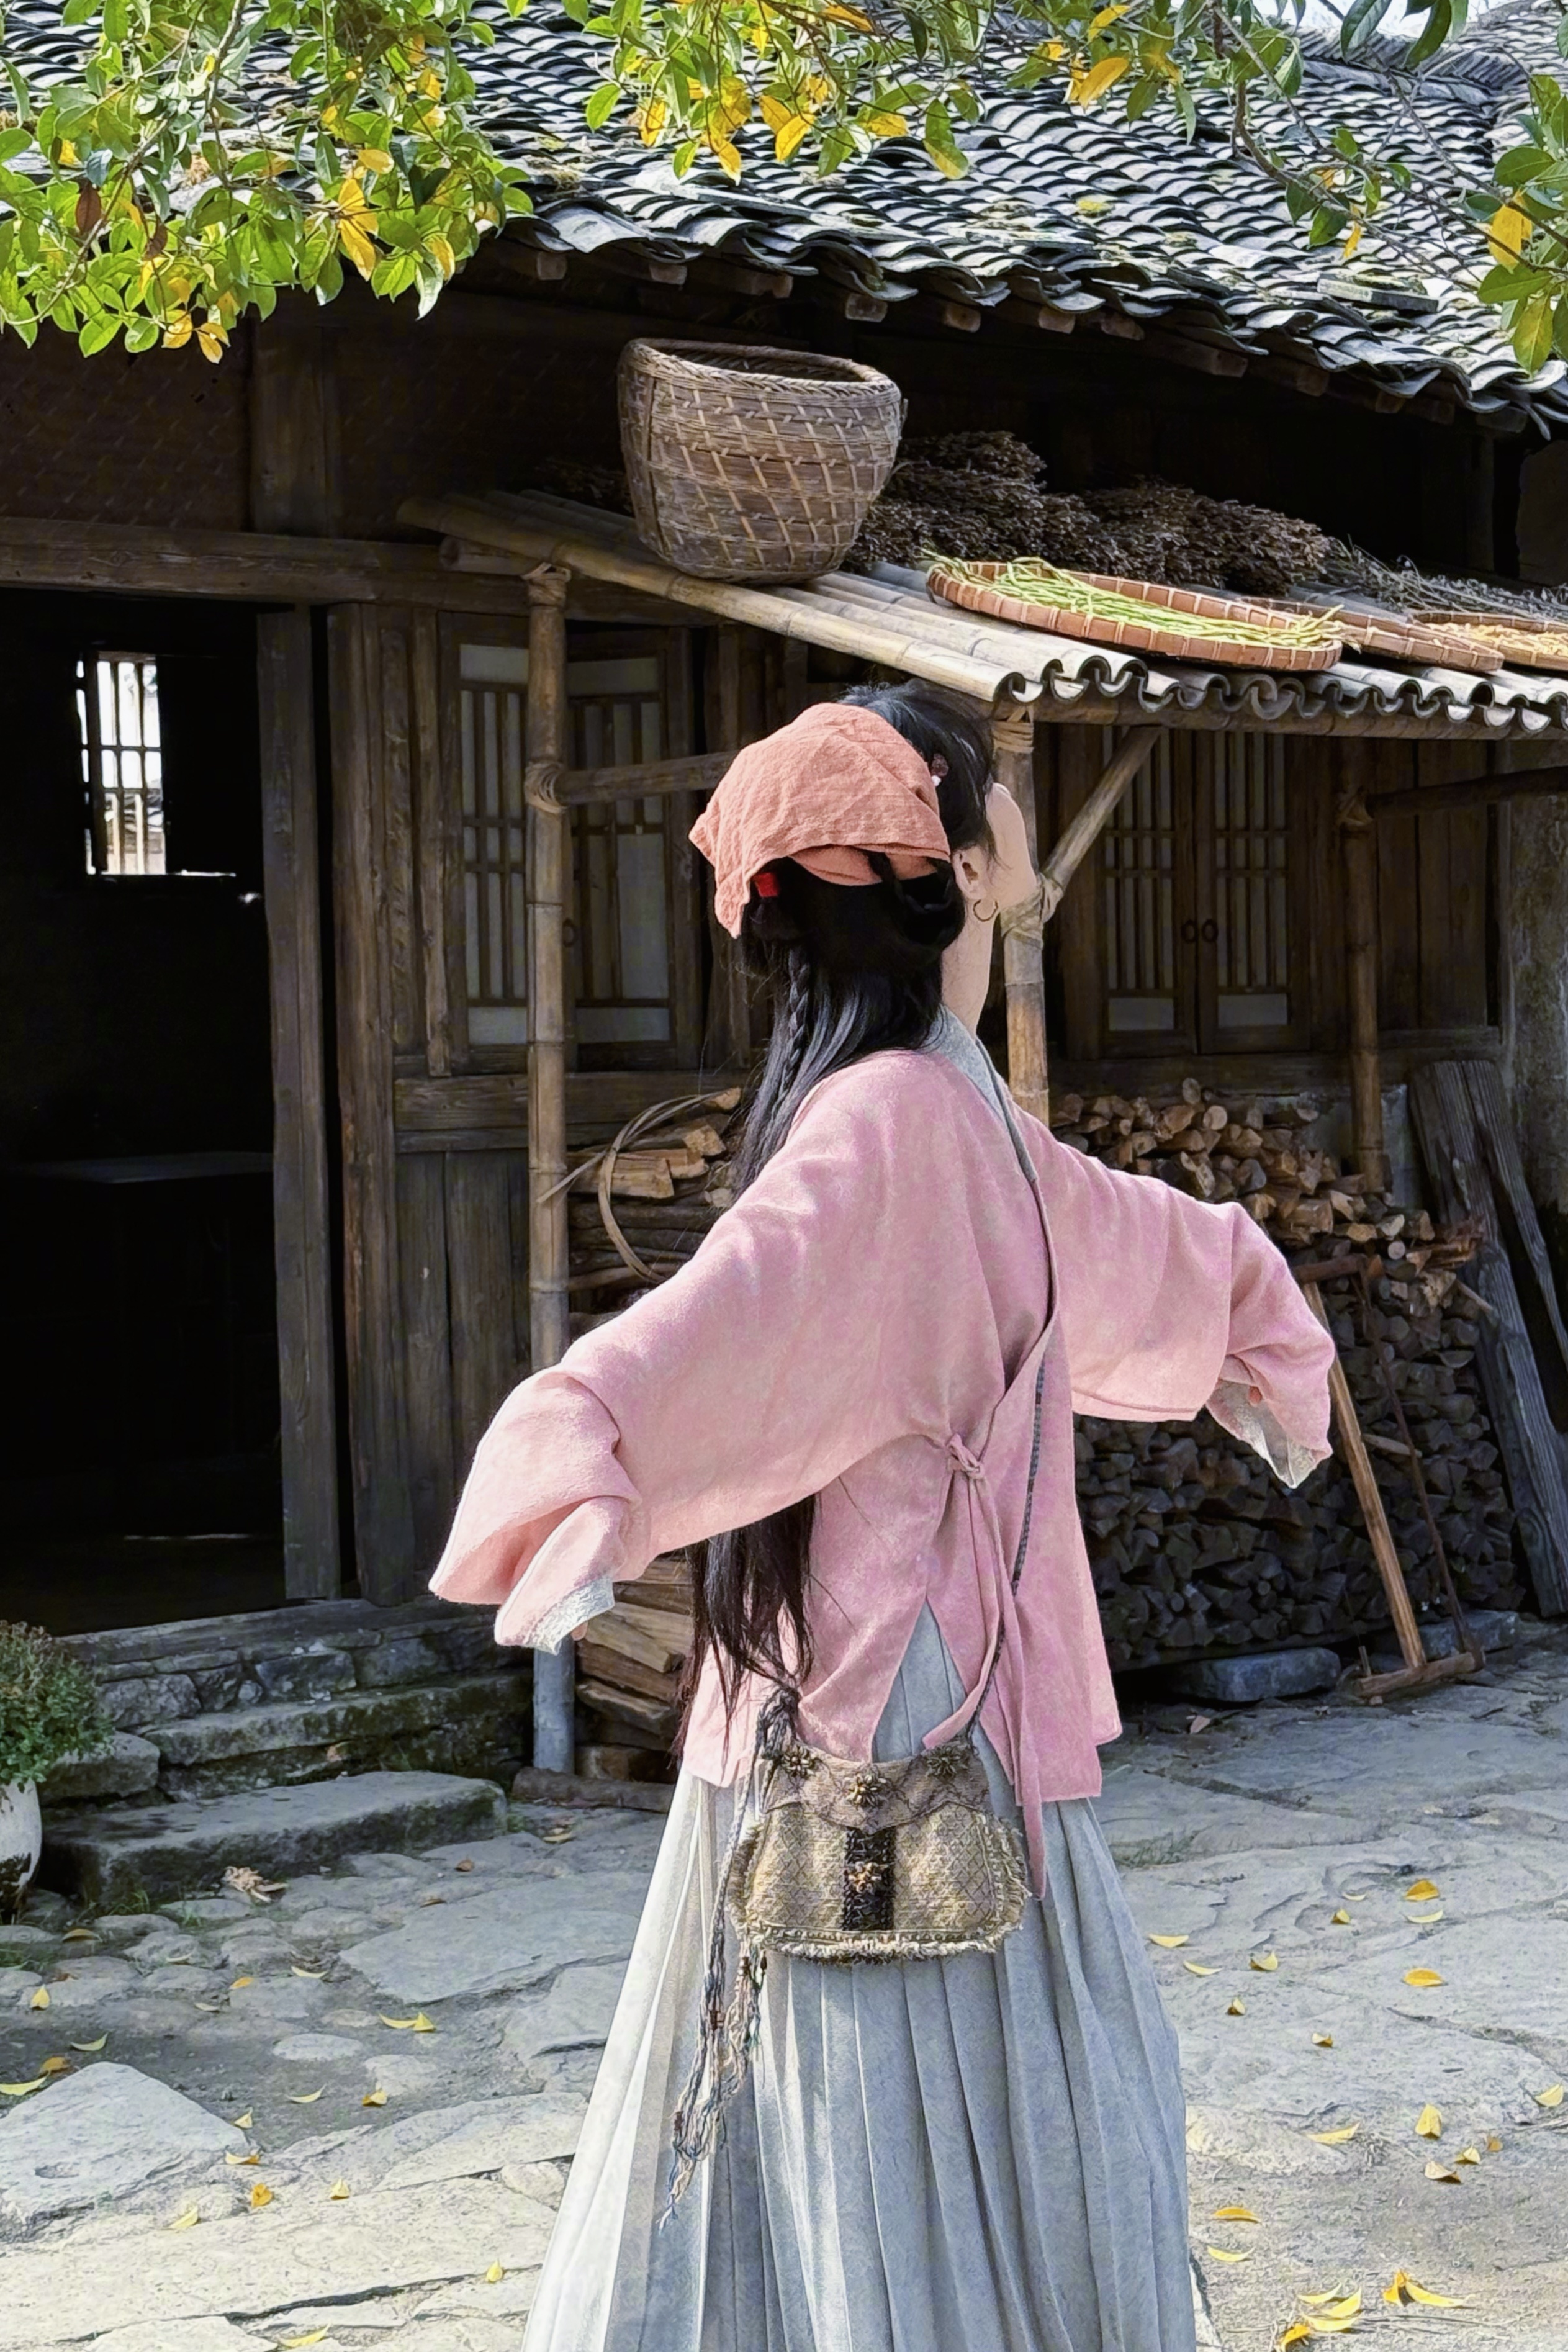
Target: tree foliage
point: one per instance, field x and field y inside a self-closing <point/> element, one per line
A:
<point x="213" y="151"/>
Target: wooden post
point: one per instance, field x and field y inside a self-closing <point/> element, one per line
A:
<point x="301" y="1235"/>
<point x="1023" y="964"/>
<point x="727" y="1044"/>
<point x="1359" y="851"/>
<point x="549" y="1328"/>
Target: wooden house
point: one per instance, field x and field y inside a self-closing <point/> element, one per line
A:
<point x="273" y="883"/>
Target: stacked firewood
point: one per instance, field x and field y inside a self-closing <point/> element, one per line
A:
<point x="1195" y="1545"/>
<point x="628" y="1675"/>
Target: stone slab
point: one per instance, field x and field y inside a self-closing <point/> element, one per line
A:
<point x="506" y="1940"/>
<point x="1398" y="1758"/>
<point x="1268" y="1673"/>
<point x="575" y="2013"/>
<point x="182" y="2336"/>
<point x="128" y="1767"/>
<point x="161" y="1851"/>
<point x="292" y="2252"/>
<point x="1495" y="1629"/>
<point x="1149" y="1817"/>
<point x="311" y="1721"/>
<point x="99" y="2136"/>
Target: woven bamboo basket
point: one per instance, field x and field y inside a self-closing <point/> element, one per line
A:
<point x="969" y="584"/>
<point x="750" y="464"/>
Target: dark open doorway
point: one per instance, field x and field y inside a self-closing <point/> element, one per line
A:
<point x="139" y="1477"/>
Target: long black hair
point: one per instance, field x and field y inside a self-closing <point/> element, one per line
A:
<point x="849" y="971"/>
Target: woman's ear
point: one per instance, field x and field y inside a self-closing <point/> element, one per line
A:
<point x="972" y="868"/>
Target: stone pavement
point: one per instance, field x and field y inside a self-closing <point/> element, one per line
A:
<point x="254" y="2142"/>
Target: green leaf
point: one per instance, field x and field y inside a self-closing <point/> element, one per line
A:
<point x="602" y="103"/>
<point x="1329" y="224"/>
<point x="1359" y="22"/>
<point x="1520" y="165"/>
<point x="141" y="335"/>
<point x="1532" y="333"/>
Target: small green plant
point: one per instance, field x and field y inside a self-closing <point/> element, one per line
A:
<point x="49" y="1706"/>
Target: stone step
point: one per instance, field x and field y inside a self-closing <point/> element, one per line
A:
<point x="151" y="1853"/>
<point x="477" y="1724"/>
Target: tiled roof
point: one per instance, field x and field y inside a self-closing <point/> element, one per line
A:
<point x="1062" y="676"/>
<point x="1078" y="212"/>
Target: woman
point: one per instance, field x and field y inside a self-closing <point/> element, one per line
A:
<point x="835" y="1406"/>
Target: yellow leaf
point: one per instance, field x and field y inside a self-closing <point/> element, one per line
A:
<point x="179" y="331"/>
<point x="187" y="2220"/>
<point x="1429" y="2123"/>
<point x="20" y="2090"/>
<point x="1339" y="2306"/>
<point x="1468" y="2156"/>
<point x="79" y="1936"/>
<point x="315" y="1975"/>
<point x="1423" y="1918"/>
<point x="494" y="2276"/>
<point x="1493" y="2143"/>
<point x="364" y="256"/>
<point x="1552" y="2099"/>
<point x="67" y="153"/>
<point x="440" y="251"/>
<point x="1085" y="89"/>
<point x="240" y="1982"/>
<point x="298" y="2343"/>
<point x="90" y="2048"/>
<point x="40" y="1999"/>
<point x="1352" y="242"/>
<point x="260" y="2195"/>
<point x="338" y="2191"/>
<point x="884" y="125"/>
<point x="1107" y="16"/>
<point x="376" y="2098"/>
<point x="1336" y="2138"/>
<point x="1196" y="1969"/>
<point x="1507" y="232"/>
<point x="350" y="199"/>
<point x="1422" y="1978"/>
<point x="1297" y="2333"/>
<point x="649" y="119"/>
<point x="1413" y="2292"/>
<point x="1422" y="1891"/>
<point x="725" y="153"/>
<point x="374" y="159"/>
<point x="1322" y="2041"/>
<point x="250" y="2157"/>
<point x="1169" y="1943"/>
<point x="1264" y="1963"/>
<point x="838" y="15"/>
<point x="1333" y="2327"/>
<point x="304" y="2098"/>
<point x="417" y="2024"/>
<point x="211" y="2007"/>
<point x="244" y="2122"/>
<point x="1220" y="2256"/>
<point x="1341" y="1919"/>
<point x="1234" y="2213"/>
<point x="1235" y="2008"/>
<point x="1436" y="2171"/>
<point x="56" y="2066"/>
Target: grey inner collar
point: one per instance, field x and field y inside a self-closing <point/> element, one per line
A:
<point x="963" y="1048"/>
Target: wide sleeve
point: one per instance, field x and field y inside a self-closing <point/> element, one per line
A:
<point x="1171" y="1303"/>
<point x="767" y="1366"/>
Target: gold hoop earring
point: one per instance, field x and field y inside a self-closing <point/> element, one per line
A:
<point x="986" y="914"/>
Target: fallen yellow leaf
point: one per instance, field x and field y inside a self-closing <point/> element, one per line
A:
<point x="1422" y="1978"/>
<point x="1333" y="2327"/>
<point x="1297" y="2333"/>
<point x="376" y="2098"/>
<point x="1234" y="2213"/>
<point x="494" y="2276"/>
<point x="40" y="1999"/>
<point x="1468" y="2156"/>
<point x="298" y="2343"/>
<point x="315" y="1975"/>
<point x="1264" y="1963"/>
<point x="187" y="2220"/>
<point x="250" y="2157"/>
<point x="1552" y="2099"/>
<point x="1340" y="2306"/>
<point x="1322" y="2041"/>
<point x="304" y="2098"/>
<point x="1169" y="1943"/>
<point x="56" y="2066"/>
<point x="1341" y="1919"/>
<point x="1493" y="2143"/>
<point x="1422" y="1892"/>
<point x="417" y="2024"/>
<point x="1404" y="2289"/>
<point x="1235" y="2008"/>
<point x="1196" y="1969"/>
<point x="1441" y="2172"/>
<point x="20" y="2090"/>
<point x="240" y="1982"/>
<point x="79" y="1936"/>
<point x="338" y="2191"/>
<point x="1220" y="2256"/>
<point x="211" y="2007"/>
<point x="90" y="2048"/>
<point x="1425" y="1918"/>
<point x="1430" y="2123"/>
<point x="244" y="2122"/>
<point x="260" y="2195"/>
<point x="1336" y="2138"/>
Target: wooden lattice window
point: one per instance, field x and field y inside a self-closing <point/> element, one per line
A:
<point x="492" y="682"/>
<point x="1197" y="926"/>
<point x="121" y="763"/>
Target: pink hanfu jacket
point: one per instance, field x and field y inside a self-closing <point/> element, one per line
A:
<point x="869" y="1324"/>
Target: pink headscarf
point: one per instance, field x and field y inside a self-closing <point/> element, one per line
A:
<point x="836" y="782"/>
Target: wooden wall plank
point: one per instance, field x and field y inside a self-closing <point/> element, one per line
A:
<point x="391" y="688"/>
<point x="1391" y="767"/>
<point x="438" y="852"/>
<point x="484" y="1251"/>
<point x="302" y="1232"/>
<point x="422" y="1267"/>
<point x="1075" y="926"/>
<point x="1453" y="881"/>
<point x="389" y="1568"/>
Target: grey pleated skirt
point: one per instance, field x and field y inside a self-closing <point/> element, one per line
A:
<point x="985" y="2154"/>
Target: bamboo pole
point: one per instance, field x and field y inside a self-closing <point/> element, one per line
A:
<point x="1357" y="848"/>
<point x="1096" y="814"/>
<point x="1472" y="792"/>
<point x="1023" y="953"/>
<point x="549" y="1324"/>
